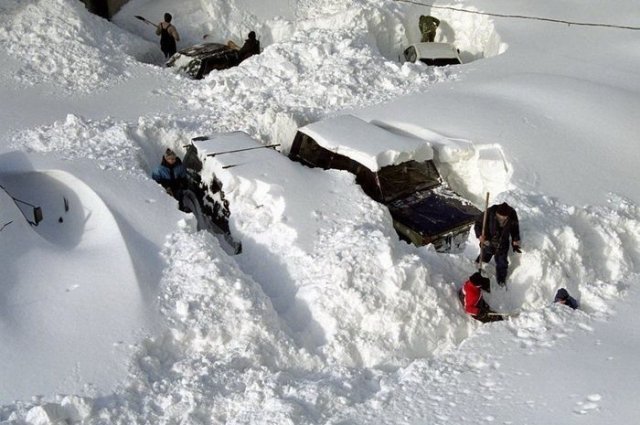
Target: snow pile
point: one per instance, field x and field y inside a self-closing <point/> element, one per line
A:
<point x="58" y="42"/>
<point x="107" y="142"/>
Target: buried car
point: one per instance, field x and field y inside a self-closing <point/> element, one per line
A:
<point x="205" y="195"/>
<point x="199" y="60"/>
<point x="433" y="54"/>
<point x="205" y="199"/>
<point x="394" y="170"/>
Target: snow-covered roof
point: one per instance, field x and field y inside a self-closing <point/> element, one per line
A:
<point x="366" y="143"/>
<point x="236" y="155"/>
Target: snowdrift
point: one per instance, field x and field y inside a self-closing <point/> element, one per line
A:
<point x="326" y="316"/>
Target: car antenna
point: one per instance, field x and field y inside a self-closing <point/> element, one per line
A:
<point x="200" y="138"/>
<point x="242" y="150"/>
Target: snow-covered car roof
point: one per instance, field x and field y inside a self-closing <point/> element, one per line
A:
<point x="237" y="155"/>
<point x="436" y="50"/>
<point x="366" y="143"/>
<point x="225" y="142"/>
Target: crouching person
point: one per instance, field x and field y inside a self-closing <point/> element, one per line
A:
<point x="471" y="297"/>
<point x="563" y="297"/>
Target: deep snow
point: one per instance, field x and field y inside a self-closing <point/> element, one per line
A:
<point x="122" y="312"/>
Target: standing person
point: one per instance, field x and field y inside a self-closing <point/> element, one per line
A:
<point x="428" y="26"/>
<point x="502" y="224"/>
<point x="168" y="36"/>
<point x="250" y="47"/>
<point x="171" y="175"/>
<point x="474" y="304"/>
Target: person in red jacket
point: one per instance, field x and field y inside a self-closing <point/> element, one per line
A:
<point x="471" y="297"/>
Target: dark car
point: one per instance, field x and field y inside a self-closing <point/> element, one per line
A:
<point x="199" y="60"/>
<point x="395" y="170"/>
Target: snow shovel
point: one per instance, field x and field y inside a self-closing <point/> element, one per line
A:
<point x="146" y="21"/>
<point x="242" y="150"/>
<point x="484" y="226"/>
<point x="513" y="313"/>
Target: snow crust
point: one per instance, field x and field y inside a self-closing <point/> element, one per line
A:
<point x="125" y="313"/>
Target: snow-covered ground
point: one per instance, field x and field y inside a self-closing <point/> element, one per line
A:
<point x="115" y="309"/>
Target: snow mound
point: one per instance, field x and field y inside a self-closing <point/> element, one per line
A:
<point x="60" y="42"/>
<point x="54" y="290"/>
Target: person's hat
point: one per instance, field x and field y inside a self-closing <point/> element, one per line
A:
<point x="562" y="295"/>
<point x="169" y="154"/>
<point x="252" y="35"/>
<point x="503" y="209"/>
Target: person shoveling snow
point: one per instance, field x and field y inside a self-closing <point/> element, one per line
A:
<point x="493" y="229"/>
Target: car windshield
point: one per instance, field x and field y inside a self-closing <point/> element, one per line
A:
<point x="440" y="61"/>
<point x="397" y="181"/>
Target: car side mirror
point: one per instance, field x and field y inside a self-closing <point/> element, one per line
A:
<point x="37" y="215"/>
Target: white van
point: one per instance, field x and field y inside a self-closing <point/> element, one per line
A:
<point x="433" y="54"/>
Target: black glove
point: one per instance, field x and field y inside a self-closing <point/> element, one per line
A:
<point x="516" y="248"/>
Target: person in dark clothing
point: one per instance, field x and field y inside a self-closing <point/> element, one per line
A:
<point x="250" y="47"/>
<point x="168" y="36"/>
<point x="474" y="304"/>
<point x="502" y="224"/>
<point x="171" y="175"/>
<point x="563" y="297"/>
<point x="428" y="26"/>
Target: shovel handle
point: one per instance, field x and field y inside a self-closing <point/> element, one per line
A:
<point x="145" y="20"/>
<point x="484" y="227"/>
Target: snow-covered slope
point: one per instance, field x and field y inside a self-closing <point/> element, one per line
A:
<point x="125" y="313"/>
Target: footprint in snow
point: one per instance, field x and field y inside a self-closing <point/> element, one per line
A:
<point x="589" y="405"/>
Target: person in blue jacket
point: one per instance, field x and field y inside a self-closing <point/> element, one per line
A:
<point x="563" y="297"/>
<point x="171" y="174"/>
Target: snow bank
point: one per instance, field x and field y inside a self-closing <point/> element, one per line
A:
<point x="321" y="281"/>
<point x="55" y="294"/>
<point x="59" y="42"/>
